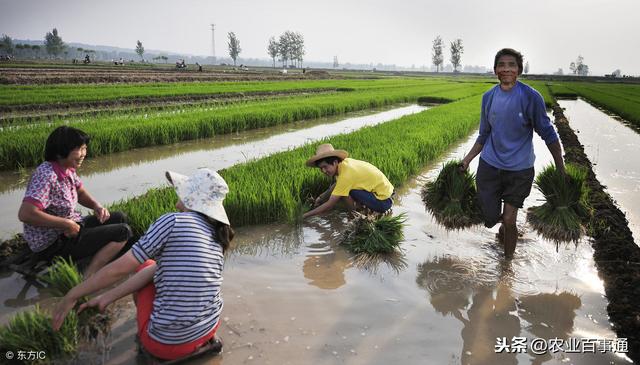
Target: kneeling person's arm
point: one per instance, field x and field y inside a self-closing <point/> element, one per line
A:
<point x="327" y="206"/>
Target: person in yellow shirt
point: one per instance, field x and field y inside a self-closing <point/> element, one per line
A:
<point x="356" y="182"/>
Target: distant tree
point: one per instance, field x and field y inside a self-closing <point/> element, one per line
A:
<point x="297" y="48"/>
<point x="559" y="72"/>
<point x="234" y="47"/>
<point x="35" y="49"/>
<point x="616" y="73"/>
<point x="53" y="43"/>
<point x="6" y="44"/>
<point x="579" y="67"/>
<point x="273" y="49"/>
<point x="336" y="64"/>
<point x="286" y="45"/>
<point x="526" y="68"/>
<point x="456" y="53"/>
<point x="437" y="56"/>
<point x="140" y="50"/>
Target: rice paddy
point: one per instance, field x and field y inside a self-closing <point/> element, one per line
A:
<point x="275" y="188"/>
<point x="13" y="95"/>
<point x="621" y="99"/>
<point x="21" y="147"/>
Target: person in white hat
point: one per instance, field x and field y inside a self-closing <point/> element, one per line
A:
<point x="356" y="182"/>
<point x="178" y="265"/>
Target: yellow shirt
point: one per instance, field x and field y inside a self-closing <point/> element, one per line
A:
<point x="360" y="175"/>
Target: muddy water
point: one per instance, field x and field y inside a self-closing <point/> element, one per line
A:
<point x="613" y="148"/>
<point x="117" y="176"/>
<point x="293" y="295"/>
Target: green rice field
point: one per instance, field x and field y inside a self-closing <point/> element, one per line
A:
<point x="23" y="146"/>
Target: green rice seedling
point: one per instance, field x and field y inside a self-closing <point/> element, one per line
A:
<point x="32" y="331"/>
<point x="23" y="146"/>
<point x="62" y="276"/>
<point x="273" y="188"/>
<point x="620" y="99"/>
<point x="566" y="205"/>
<point x="451" y="197"/>
<point x="372" y="234"/>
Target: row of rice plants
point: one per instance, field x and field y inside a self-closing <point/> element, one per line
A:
<point x="623" y="100"/>
<point x="275" y="188"/>
<point x="73" y="93"/>
<point x="24" y="146"/>
<point x="541" y="87"/>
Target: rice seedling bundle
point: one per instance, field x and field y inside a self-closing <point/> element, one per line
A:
<point x="32" y="331"/>
<point x="451" y="197"/>
<point x="24" y="146"/>
<point x="372" y="234"/>
<point x="566" y="205"/>
<point x="274" y="188"/>
<point x="62" y="276"/>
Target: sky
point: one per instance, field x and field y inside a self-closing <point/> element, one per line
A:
<point x="550" y="33"/>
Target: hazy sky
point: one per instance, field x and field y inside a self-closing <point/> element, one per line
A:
<point x="550" y="33"/>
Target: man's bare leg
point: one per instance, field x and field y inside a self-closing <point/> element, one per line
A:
<point x="509" y="215"/>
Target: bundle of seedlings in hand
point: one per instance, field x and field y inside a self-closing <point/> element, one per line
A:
<point x="32" y="331"/>
<point x="451" y="198"/>
<point x="61" y="277"/>
<point x="560" y="218"/>
<point x="372" y="234"/>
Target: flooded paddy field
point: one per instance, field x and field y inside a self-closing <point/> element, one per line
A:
<point x="613" y="147"/>
<point x="121" y="175"/>
<point x="294" y="295"/>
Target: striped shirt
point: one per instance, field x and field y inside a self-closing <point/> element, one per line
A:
<point x="188" y="277"/>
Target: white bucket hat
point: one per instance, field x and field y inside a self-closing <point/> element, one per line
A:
<point x="202" y="192"/>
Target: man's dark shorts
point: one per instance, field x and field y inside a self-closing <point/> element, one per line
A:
<point x="496" y="186"/>
<point x="92" y="237"/>
<point x="369" y="200"/>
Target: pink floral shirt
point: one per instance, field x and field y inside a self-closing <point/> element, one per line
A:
<point x="54" y="190"/>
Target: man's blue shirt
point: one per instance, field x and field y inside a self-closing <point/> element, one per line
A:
<point x="507" y="122"/>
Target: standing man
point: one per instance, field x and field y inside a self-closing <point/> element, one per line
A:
<point x="511" y="111"/>
<point x="356" y="182"/>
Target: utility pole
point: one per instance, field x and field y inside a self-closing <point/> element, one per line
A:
<point x="213" y="41"/>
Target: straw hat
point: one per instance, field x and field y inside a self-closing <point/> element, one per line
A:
<point x="202" y="192"/>
<point x="326" y="150"/>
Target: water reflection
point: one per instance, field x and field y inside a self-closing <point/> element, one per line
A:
<point x="611" y="146"/>
<point x="458" y="286"/>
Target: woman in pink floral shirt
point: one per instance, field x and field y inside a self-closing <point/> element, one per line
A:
<point x="52" y="225"/>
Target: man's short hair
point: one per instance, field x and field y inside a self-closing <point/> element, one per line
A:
<point x="330" y="160"/>
<point x="63" y="140"/>
<point x="509" y="52"/>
